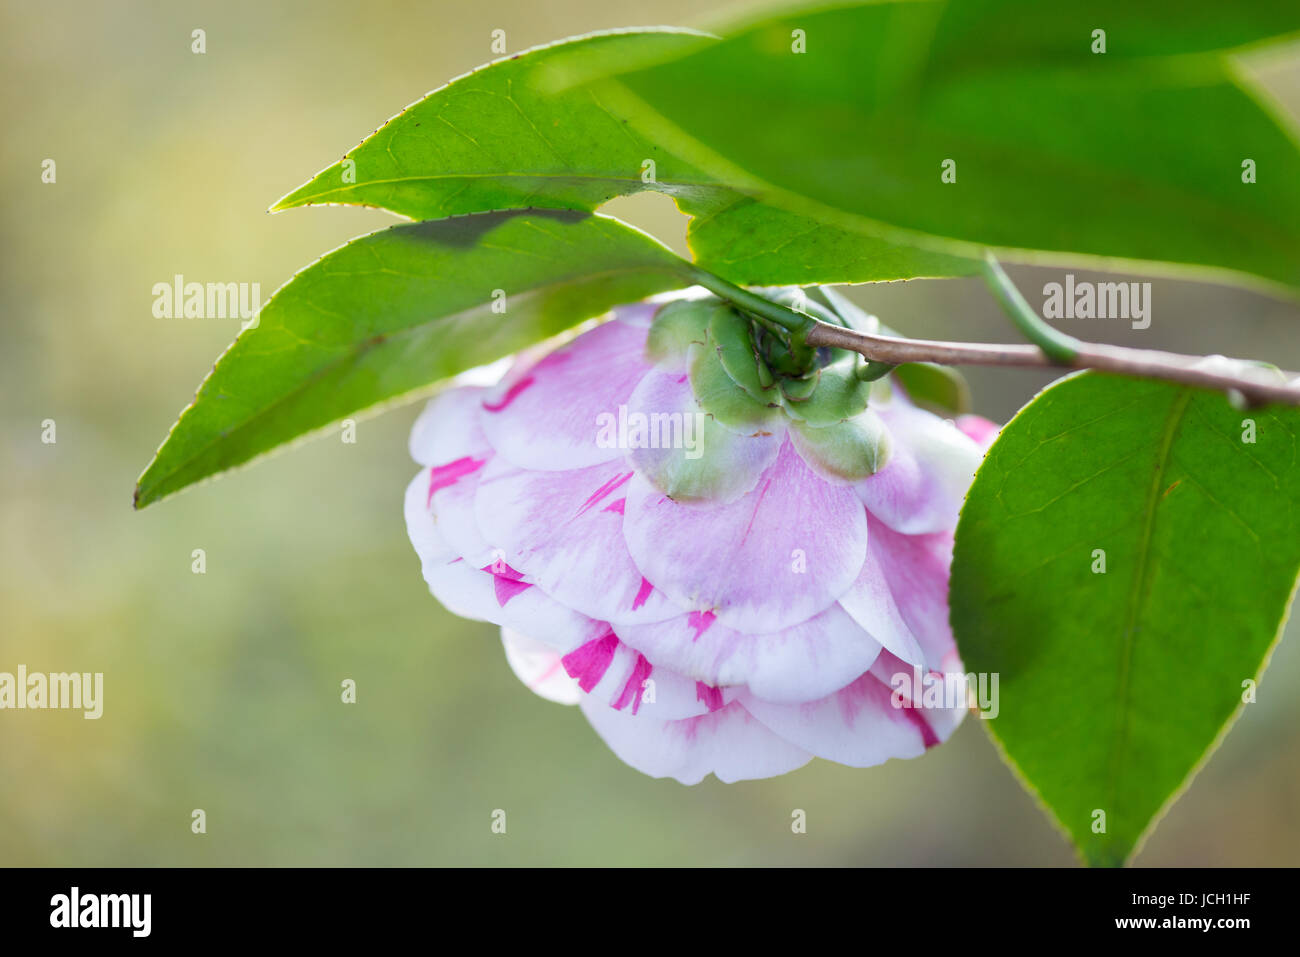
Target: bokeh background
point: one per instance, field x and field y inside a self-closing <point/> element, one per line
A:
<point x="222" y="690"/>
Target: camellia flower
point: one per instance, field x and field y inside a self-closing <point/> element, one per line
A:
<point x="731" y="565"/>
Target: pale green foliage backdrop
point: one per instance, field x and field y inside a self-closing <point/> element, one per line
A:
<point x="222" y="690"/>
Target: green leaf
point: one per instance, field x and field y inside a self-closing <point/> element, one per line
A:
<point x="510" y="136"/>
<point x="1123" y="155"/>
<point x="502" y="138"/>
<point x="1115" y="684"/>
<point x="992" y="31"/>
<point x="754" y="244"/>
<point x="389" y="314"/>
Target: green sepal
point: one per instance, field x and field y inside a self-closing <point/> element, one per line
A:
<point x="849" y="451"/>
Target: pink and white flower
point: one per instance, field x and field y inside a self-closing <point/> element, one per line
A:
<point x="735" y="610"/>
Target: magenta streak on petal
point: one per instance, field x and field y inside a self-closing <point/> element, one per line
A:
<point x="508" y="582"/>
<point x="440" y="476"/>
<point x="507" y="589"/>
<point x="501" y="570"/>
<point x="750" y="527"/>
<point x="511" y="394"/>
<point x="712" y="697"/>
<point x="589" y="662"/>
<point x="928" y="737"/>
<point x="632" y="690"/>
<point x="545" y="674"/>
<point x="642" y="594"/>
<point x="616" y="506"/>
<point x="604" y="490"/>
<point x="700" y="621"/>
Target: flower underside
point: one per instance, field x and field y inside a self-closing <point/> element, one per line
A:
<point x="728" y="558"/>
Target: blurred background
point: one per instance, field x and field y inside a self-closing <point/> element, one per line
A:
<point x="222" y="689"/>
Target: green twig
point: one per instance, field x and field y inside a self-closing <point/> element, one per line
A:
<point x="1056" y="345"/>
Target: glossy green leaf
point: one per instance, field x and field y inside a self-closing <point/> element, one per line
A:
<point x="1124" y="563"/>
<point x="754" y="243"/>
<point x="501" y="138"/>
<point x="389" y="314"/>
<point x="1125" y="155"/>
<point x="510" y="136"/>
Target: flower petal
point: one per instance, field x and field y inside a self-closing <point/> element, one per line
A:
<point x="729" y="743"/>
<point x="857" y="725"/>
<point x="625" y="680"/>
<point x="447" y="428"/>
<point x="775" y="557"/>
<point x="983" y="431"/>
<point x="687" y="454"/>
<point x="563" y="532"/>
<point x="483" y="596"/>
<point x="544" y="416"/>
<point x="803" y="662"/>
<point x="540" y="667"/>
<point x="931" y="464"/>
<point x="916" y="568"/>
<point x="872" y="604"/>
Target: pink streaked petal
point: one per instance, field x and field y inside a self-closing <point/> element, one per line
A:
<point x="712" y="697"/>
<point x="502" y="399"/>
<point x="604" y="491"/>
<point x="728" y="743"/>
<point x="799" y="663"/>
<point x="588" y="664"/>
<point x="447" y="439"/>
<point x="548" y="419"/>
<point x="539" y="667"/>
<point x="903" y="680"/>
<point x="775" y="557"/>
<point x="857" y="725"/>
<point x="626" y="680"/>
<point x="545" y="524"/>
<point x="916" y="568"/>
<point x="631" y="694"/>
<point x="507" y="588"/>
<point x="443" y="476"/>
<point x="471" y="593"/>
<point x="699" y="622"/>
<point x="642" y="593"/>
<point x="931" y="464"/>
<point x="873" y="605"/>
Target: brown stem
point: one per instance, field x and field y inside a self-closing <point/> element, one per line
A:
<point x="1257" y="386"/>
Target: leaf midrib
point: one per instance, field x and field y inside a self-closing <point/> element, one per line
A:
<point x="434" y="177"/>
<point x="1142" y="583"/>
